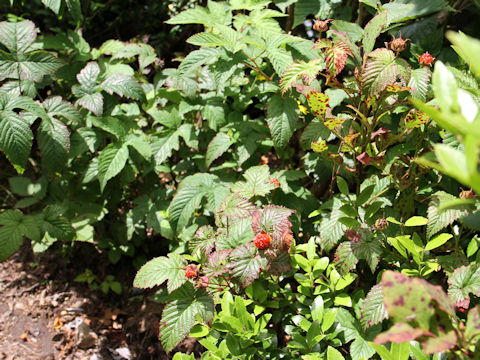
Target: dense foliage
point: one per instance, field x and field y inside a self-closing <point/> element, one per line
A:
<point x="300" y="189"/>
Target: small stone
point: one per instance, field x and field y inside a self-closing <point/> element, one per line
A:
<point x="84" y="337"/>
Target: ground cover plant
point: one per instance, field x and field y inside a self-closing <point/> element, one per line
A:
<point x="302" y="185"/>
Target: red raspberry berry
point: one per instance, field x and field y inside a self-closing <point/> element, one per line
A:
<point x="262" y="241"/>
<point x="275" y="182"/>
<point x="204" y="281"/>
<point x="191" y="271"/>
<point x="426" y="59"/>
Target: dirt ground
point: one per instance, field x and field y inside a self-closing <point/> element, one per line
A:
<point x="45" y="315"/>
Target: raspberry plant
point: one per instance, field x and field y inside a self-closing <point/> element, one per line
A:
<point x="279" y="178"/>
<point x="249" y="240"/>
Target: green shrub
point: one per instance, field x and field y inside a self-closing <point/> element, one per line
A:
<point x="275" y="181"/>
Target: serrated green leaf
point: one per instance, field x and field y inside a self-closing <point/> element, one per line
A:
<point x="58" y="227"/>
<point x="207" y="39"/>
<point x="28" y="67"/>
<point x="55" y="106"/>
<point x="257" y="182"/>
<point x="359" y="348"/>
<point x="279" y="58"/>
<point x="282" y="120"/>
<point x="53" y="5"/>
<point x="219" y="144"/>
<point x="307" y="71"/>
<point x="15" y="139"/>
<point x="345" y="258"/>
<point x="111" y="125"/>
<point x="238" y="232"/>
<point x="197" y="58"/>
<point x="354" y="31"/>
<point x="197" y="15"/>
<point x="11" y="237"/>
<point x="87" y="77"/>
<point x="156" y="271"/>
<point x="233" y="207"/>
<point x="247" y="263"/>
<point x="419" y="82"/>
<point x="189" y="195"/>
<point x="17" y="36"/>
<point x="92" y="102"/>
<point x="139" y="142"/>
<point x="368" y="249"/>
<point x="179" y="315"/>
<point x="164" y="146"/>
<point x="22" y="62"/>
<point x="383" y="68"/>
<point x="373" y="308"/>
<point x="464" y="281"/>
<point x="123" y="85"/>
<point x="54" y="144"/>
<point x="439" y="219"/>
<point x="111" y="161"/>
<point x="331" y="229"/>
<point x="203" y="242"/>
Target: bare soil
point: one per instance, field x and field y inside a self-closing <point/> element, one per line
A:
<point x="44" y="314"/>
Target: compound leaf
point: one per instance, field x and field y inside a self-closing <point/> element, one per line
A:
<point x="257" y="182"/>
<point x="179" y="315"/>
<point x="247" y="263"/>
<point x="156" y="271"/>
<point x="123" y="85"/>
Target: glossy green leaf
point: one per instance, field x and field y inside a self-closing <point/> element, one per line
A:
<point x="438" y="241"/>
<point x="416" y="221"/>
